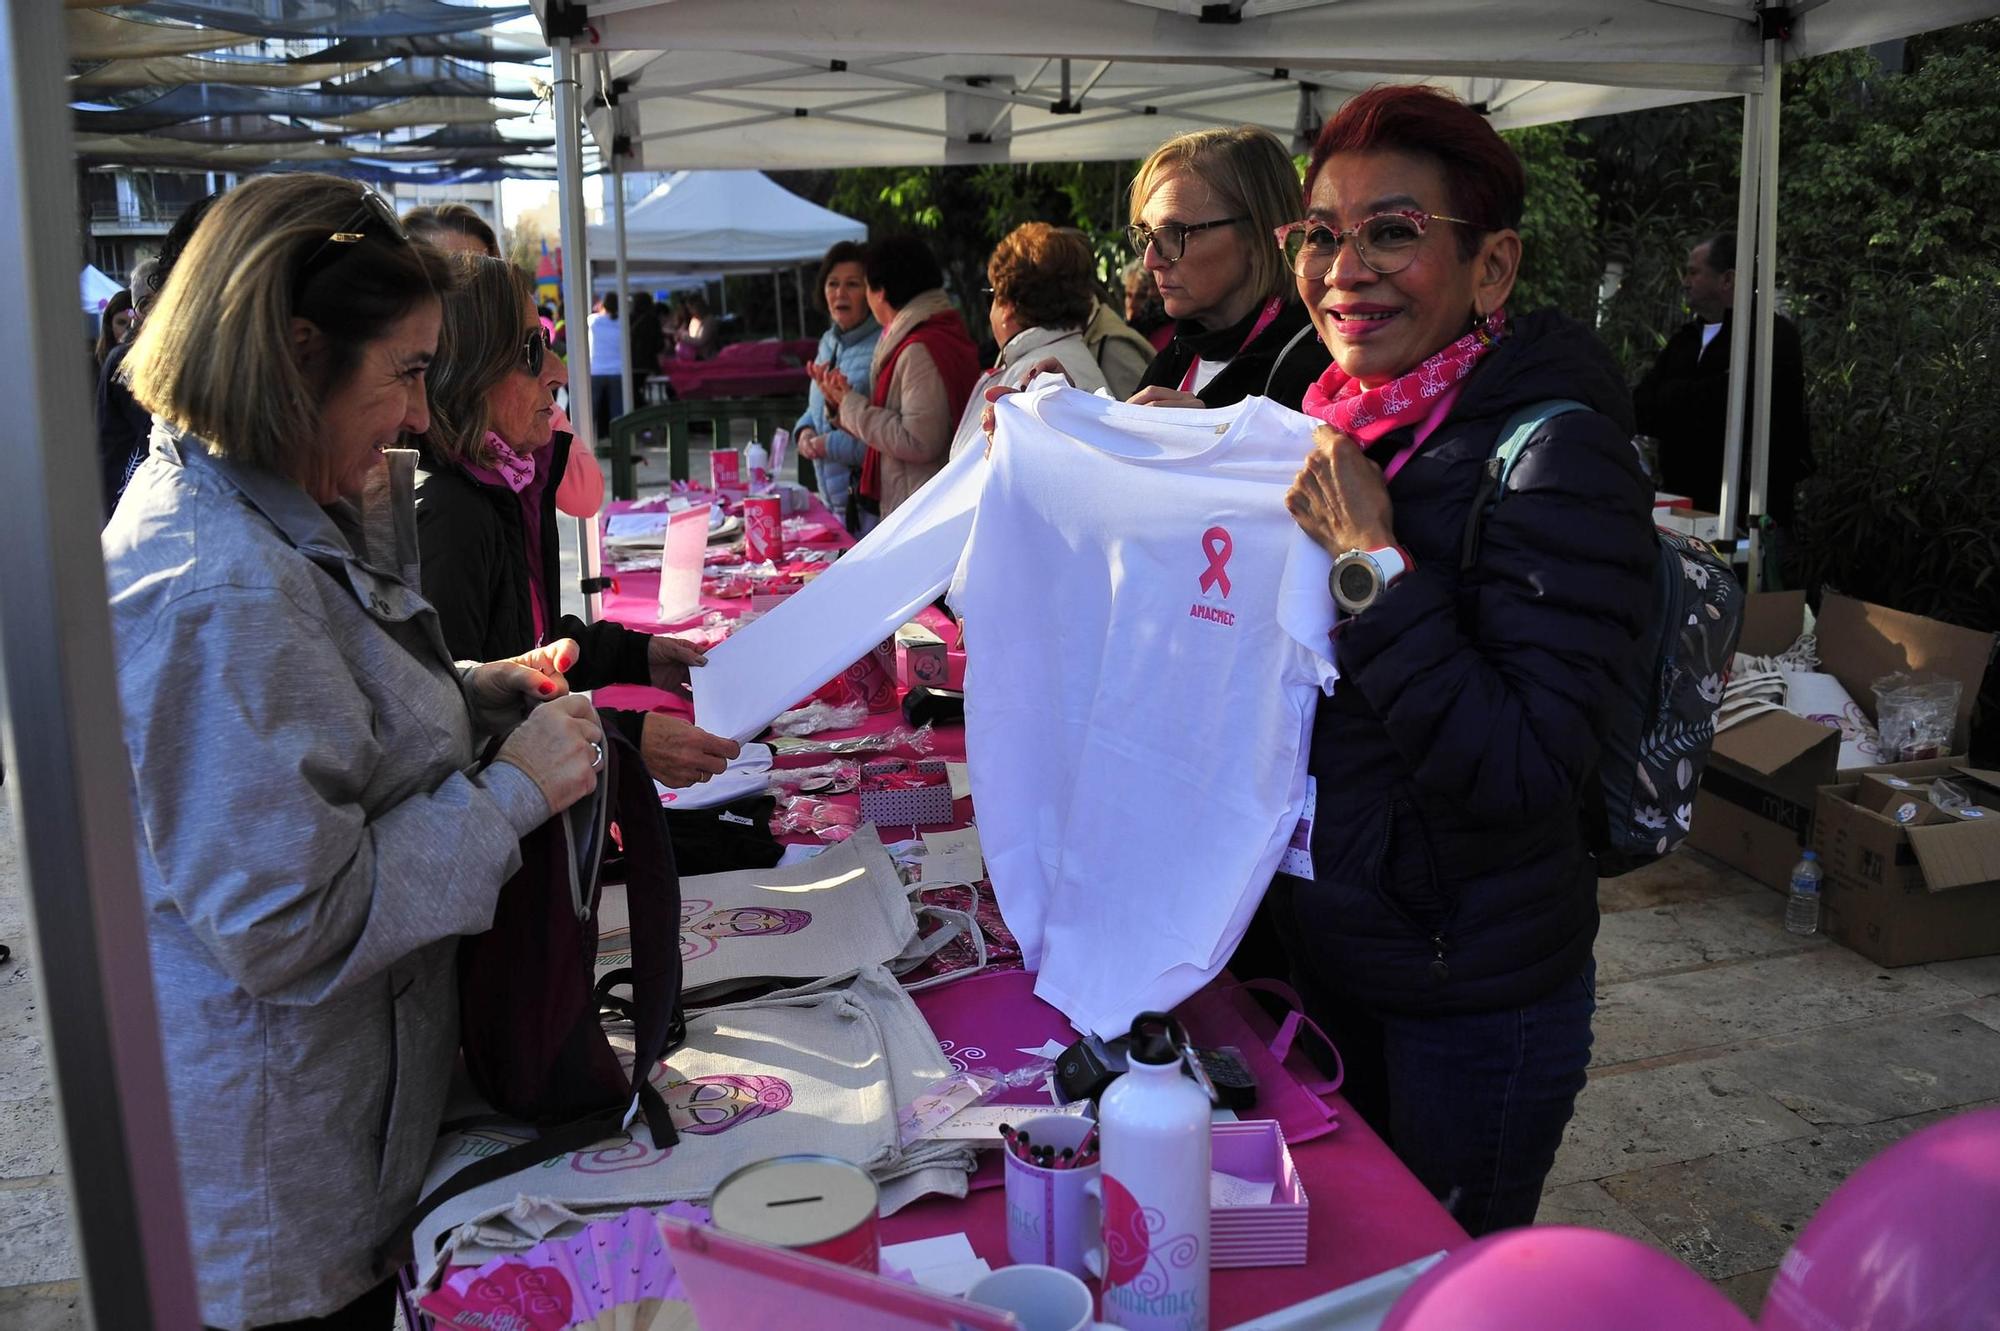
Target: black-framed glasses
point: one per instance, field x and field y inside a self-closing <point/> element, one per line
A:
<point x="1170" y="238"/>
<point x="1386" y="242"/>
<point x="535" y="349"/>
<point x="373" y="213"/>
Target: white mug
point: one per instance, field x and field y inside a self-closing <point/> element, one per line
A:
<point x="1042" y="1298"/>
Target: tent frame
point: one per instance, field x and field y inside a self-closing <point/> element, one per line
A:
<point x="64" y="744"/>
<point x="65" y="747"/>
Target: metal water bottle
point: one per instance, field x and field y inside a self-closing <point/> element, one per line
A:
<point x="1153" y="1124"/>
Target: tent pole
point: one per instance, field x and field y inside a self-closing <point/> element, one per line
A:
<point x="799" y="299"/>
<point x="65" y="751"/>
<point x="778" y="300"/>
<point x="1747" y="179"/>
<point x="576" y="287"/>
<point x="1766" y="312"/>
<point x="623" y="486"/>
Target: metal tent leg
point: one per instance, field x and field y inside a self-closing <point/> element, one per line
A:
<point x="67" y="773"/>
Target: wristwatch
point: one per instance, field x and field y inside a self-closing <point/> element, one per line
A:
<point x="1359" y="576"/>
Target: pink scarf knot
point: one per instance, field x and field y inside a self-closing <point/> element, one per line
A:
<point x="1369" y="413"/>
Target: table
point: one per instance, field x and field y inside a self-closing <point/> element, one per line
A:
<point x="1369" y="1213"/>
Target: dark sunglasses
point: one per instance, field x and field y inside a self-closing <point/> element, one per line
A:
<point x="372" y="214"/>
<point x="534" y="349"/>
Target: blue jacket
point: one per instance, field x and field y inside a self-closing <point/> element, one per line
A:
<point x="1455" y="755"/>
<point x="851" y="353"/>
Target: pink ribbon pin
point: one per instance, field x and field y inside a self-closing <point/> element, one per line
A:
<point x="1215" y="543"/>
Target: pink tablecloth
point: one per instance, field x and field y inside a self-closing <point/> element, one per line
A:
<point x="1369" y="1213"/>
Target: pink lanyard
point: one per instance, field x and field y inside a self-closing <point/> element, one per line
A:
<point x="1432" y="419"/>
<point x="1271" y="308"/>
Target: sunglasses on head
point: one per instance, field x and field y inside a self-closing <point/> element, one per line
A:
<point x="371" y="214"/>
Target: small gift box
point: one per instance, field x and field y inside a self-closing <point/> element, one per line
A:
<point x="924" y="662"/>
<point x="906" y="794"/>
<point x="1247" y="1158"/>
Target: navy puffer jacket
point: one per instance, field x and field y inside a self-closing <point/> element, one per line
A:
<point x="1450" y="871"/>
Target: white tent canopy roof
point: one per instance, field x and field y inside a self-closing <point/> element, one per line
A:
<point x="95" y="288"/>
<point x="718" y="220"/>
<point x="725" y="82"/>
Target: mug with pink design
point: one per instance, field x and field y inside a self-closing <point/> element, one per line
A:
<point x="1051" y="1217"/>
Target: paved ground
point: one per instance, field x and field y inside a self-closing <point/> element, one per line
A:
<point x="1740" y="1074"/>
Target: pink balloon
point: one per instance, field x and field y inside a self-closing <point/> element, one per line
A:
<point x="1911" y="1242"/>
<point x="1561" y="1278"/>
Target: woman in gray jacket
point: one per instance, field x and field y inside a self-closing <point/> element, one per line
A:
<point x="315" y="828"/>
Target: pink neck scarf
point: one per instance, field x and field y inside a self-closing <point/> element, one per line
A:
<point x="517" y="469"/>
<point x="1370" y="413"/>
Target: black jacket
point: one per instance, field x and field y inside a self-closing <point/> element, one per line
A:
<point x="475" y="572"/>
<point x="123" y="429"/>
<point x="1280" y="364"/>
<point x="1450" y="873"/>
<point x="1684" y="403"/>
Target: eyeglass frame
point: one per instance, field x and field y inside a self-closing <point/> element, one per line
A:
<point x="1417" y="216"/>
<point x="535" y="348"/>
<point x="371" y="208"/>
<point x="1141" y="237"/>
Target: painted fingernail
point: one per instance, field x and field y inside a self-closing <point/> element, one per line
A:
<point x="548" y="687"/>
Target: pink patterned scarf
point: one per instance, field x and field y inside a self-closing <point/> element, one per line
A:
<point x="1370" y="413"/>
<point x="517" y="469"/>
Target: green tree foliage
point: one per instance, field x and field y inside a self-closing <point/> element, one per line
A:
<point x="962" y="212"/>
<point x="1889" y="261"/>
<point x="1556" y="269"/>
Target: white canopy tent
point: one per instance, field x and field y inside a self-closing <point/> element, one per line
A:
<point x="67" y="772"/>
<point x="722" y="222"/>
<point x="95" y="288"/>
<point x="685" y="83"/>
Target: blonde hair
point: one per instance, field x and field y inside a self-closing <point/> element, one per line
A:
<point x="478" y="348"/>
<point x="1251" y="174"/>
<point x="215" y="357"/>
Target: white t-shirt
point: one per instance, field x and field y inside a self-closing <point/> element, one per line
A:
<point x="1147" y="635"/>
<point x="830" y="623"/>
<point x="607" y="345"/>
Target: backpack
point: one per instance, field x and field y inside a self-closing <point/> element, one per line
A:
<point x="1642" y="803"/>
<point x="530" y="1003"/>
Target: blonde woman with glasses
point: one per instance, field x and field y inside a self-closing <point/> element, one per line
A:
<point x="1203" y="209"/>
<point x="315" y="826"/>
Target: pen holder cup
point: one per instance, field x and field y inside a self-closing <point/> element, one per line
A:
<point x="1051" y="1219"/>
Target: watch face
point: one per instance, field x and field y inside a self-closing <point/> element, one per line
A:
<point x="1357" y="580"/>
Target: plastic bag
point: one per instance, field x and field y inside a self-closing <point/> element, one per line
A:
<point x="1916" y="714"/>
<point x="918" y="741"/>
<point x="822" y="818"/>
<point x="820" y="715"/>
<point x="834" y="778"/>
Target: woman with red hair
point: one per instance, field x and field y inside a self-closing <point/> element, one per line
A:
<point x="1445" y="937"/>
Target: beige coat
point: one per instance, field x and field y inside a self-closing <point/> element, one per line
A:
<point x="913" y="430"/>
<point x="1122" y="351"/>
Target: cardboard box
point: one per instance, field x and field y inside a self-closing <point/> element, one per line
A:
<point x="1690" y="522"/>
<point x="1272" y="1233"/>
<point x="922" y="659"/>
<point x="1758" y="795"/>
<point x="1903" y="892"/>
<point x="891" y="794"/>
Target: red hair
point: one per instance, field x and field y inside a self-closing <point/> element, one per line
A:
<point x="1483" y="177"/>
